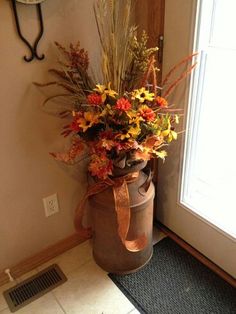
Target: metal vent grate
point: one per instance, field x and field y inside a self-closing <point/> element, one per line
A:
<point x="34" y="287"/>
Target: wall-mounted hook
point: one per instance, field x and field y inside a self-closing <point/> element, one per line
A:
<point x="32" y="48"/>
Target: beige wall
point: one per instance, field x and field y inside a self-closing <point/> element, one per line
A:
<point x="27" y="134"/>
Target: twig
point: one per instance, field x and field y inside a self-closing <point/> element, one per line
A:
<point x="186" y="59"/>
<point x="179" y="79"/>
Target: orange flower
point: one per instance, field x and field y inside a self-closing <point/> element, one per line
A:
<point x="147" y="113"/>
<point x="123" y="104"/>
<point x="162" y="102"/>
<point x="94" y="99"/>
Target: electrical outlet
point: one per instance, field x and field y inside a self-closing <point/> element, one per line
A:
<point x="51" y="206"/>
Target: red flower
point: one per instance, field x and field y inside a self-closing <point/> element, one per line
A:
<point x="162" y="102"/>
<point x="123" y="104"/>
<point x="147" y="113"/>
<point x="74" y="126"/>
<point x="94" y="99"/>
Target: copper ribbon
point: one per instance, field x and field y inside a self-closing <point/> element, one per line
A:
<point x="122" y="207"/>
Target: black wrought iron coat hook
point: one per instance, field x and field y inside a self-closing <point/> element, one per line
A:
<point x="33" y="47"/>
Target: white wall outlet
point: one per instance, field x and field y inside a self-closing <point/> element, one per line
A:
<point x="51" y="206"/>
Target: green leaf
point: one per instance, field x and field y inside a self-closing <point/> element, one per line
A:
<point x="176" y="119"/>
<point x="174" y="135"/>
<point x="162" y="154"/>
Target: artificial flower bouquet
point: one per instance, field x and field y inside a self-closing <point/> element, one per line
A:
<point x="119" y="130"/>
<point x="125" y="118"/>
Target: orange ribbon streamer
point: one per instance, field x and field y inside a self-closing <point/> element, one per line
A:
<point x="122" y="207"/>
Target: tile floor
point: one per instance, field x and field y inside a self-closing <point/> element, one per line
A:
<point x="88" y="290"/>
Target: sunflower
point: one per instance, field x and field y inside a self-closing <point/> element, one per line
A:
<point x="142" y="95"/>
<point x="134" y="118"/>
<point x="105" y="91"/>
<point x="88" y="120"/>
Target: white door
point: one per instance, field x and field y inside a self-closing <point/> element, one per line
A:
<point x="196" y="196"/>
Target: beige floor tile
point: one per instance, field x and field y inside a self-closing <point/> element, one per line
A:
<point x="90" y="291"/>
<point x="71" y="259"/>
<point x="6" y="311"/>
<point x="44" y="305"/>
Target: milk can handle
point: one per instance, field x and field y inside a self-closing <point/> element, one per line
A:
<point x="145" y="186"/>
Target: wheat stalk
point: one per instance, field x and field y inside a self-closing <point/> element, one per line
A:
<point x="114" y="29"/>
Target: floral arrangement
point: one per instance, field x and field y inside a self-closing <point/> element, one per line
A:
<point x="120" y="130"/>
<point x="125" y="119"/>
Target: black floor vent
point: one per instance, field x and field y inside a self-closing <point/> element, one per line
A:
<point x="34" y="287"/>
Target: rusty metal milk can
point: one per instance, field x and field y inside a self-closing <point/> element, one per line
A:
<point x="112" y="252"/>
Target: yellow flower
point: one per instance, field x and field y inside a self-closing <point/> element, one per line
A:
<point x="172" y="136"/>
<point x="166" y="132"/>
<point x="142" y="94"/>
<point x="176" y="119"/>
<point x="134" y="131"/>
<point x="88" y="120"/>
<point x="91" y="116"/>
<point x="134" y="118"/>
<point x="169" y="133"/>
<point x="161" y="154"/>
<point x="105" y="91"/>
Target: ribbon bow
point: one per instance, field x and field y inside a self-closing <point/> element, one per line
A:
<point x="122" y="207"/>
